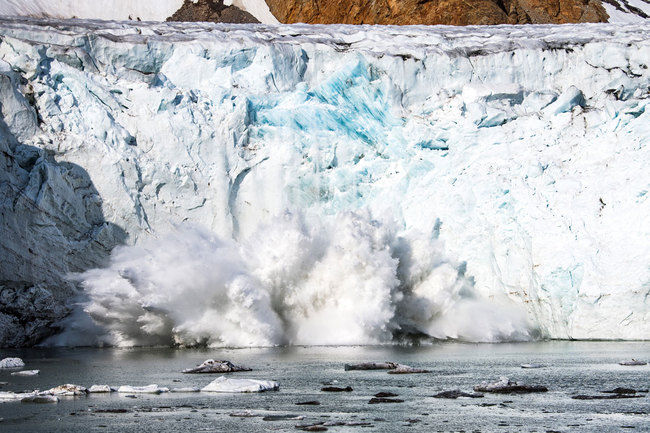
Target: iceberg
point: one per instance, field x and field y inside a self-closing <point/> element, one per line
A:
<point x="12" y="363"/>
<point x="228" y="385"/>
<point x="276" y="184"/>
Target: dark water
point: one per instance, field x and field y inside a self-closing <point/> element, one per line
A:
<point x="572" y="368"/>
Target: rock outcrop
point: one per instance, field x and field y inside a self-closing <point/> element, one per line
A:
<point x="211" y="10"/>
<point x="451" y="12"/>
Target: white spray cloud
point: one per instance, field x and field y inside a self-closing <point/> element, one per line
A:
<point x="345" y="279"/>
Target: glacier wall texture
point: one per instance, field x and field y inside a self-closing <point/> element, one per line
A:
<point x="325" y="184"/>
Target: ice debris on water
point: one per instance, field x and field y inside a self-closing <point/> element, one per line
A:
<point x="98" y="389"/>
<point x="149" y="389"/>
<point x="371" y="366"/>
<point x="456" y="393"/>
<point x="26" y="373"/>
<point x="224" y="384"/>
<point x="632" y="362"/>
<point x="506" y="386"/>
<point x="67" y="390"/>
<point x="212" y="366"/>
<point x="186" y="389"/>
<point x="532" y="366"/>
<point x="12" y="363"/>
<point x="40" y="398"/>
<point x="405" y="369"/>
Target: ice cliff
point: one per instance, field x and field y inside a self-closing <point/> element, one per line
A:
<point x="323" y="184"/>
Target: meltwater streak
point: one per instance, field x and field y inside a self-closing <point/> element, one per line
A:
<point x="340" y="280"/>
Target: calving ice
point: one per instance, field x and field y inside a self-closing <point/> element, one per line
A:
<point x="269" y="184"/>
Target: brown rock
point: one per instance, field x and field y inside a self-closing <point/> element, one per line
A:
<point x="211" y="10"/>
<point x="453" y="12"/>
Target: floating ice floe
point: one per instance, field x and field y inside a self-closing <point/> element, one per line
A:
<point x="40" y="398"/>
<point x="245" y="414"/>
<point x="67" y="390"/>
<point x="149" y="389"/>
<point x="12" y="396"/>
<point x="506" y="386"/>
<point x="632" y="361"/>
<point x="379" y="400"/>
<point x="372" y="366"/>
<point x="223" y="384"/>
<point x="26" y="373"/>
<point x="405" y="369"/>
<point x="12" y="363"/>
<point x="186" y="389"/>
<point x="97" y="389"/>
<point x="532" y="366"/>
<point x="456" y="393"/>
<point x="212" y="366"/>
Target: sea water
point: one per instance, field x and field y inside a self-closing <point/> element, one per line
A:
<point x="571" y="368"/>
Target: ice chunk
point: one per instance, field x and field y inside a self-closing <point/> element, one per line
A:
<point x="12" y="363"/>
<point x="532" y="366"/>
<point x="149" y="389"/>
<point x="95" y="389"/>
<point x="40" y="398"/>
<point x="67" y="390"/>
<point x="632" y="362"/>
<point x="456" y="393"/>
<point x="371" y="366"/>
<point x="186" y="389"/>
<point x="10" y="396"/>
<point x="570" y="98"/>
<point x="405" y="369"/>
<point x="223" y="384"/>
<point x="26" y="373"/>
<point x="506" y="386"/>
<point x="212" y="366"/>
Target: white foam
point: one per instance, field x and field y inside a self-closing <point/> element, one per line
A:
<point x="298" y="280"/>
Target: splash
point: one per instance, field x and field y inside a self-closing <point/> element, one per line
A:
<point x="342" y="280"/>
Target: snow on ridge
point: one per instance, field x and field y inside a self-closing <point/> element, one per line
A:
<point x="627" y="11"/>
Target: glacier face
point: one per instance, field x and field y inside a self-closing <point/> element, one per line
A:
<point x="331" y="184"/>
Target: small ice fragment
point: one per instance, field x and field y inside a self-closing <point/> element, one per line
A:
<point x="291" y="417"/>
<point x="377" y="400"/>
<point x="532" y="366"/>
<point x="97" y="389"/>
<point x="223" y="384"/>
<point x="186" y="389"/>
<point x="12" y="363"/>
<point x="336" y="389"/>
<point x="40" y="398"/>
<point x="456" y="393"/>
<point x="149" y="389"/>
<point x="212" y="366"/>
<point x="8" y="395"/>
<point x="244" y="414"/>
<point x="371" y="366"/>
<point x="506" y="386"/>
<point x="26" y="373"/>
<point x="632" y="362"/>
<point x="405" y="369"/>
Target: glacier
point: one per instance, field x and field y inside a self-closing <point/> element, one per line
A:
<point x="238" y="185"/>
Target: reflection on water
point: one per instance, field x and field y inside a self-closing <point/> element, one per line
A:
<point x="572" y="368"/>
